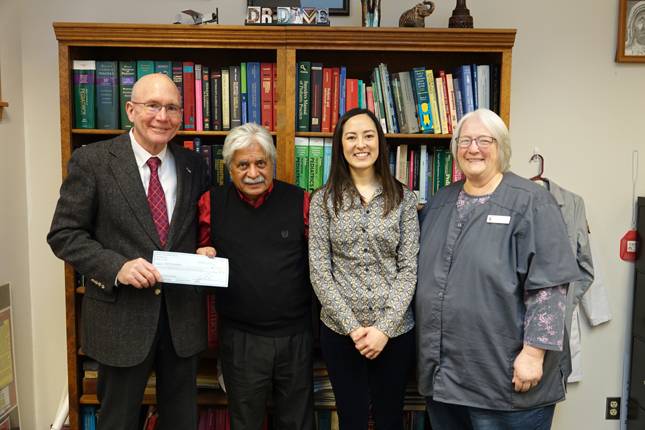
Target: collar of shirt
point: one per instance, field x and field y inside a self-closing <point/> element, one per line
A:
<point x="141" y="155"/>
<point x="260" y="200"/>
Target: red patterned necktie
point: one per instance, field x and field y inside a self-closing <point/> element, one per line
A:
<point x="157" y="201"/>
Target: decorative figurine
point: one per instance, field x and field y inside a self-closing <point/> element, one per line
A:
<point x="371" y="13"/>
<point x="190" y="16"/>
<point x="415" y="17"/>
<point x="460" y="16"/>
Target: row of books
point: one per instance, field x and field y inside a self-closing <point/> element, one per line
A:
<point x="423" y="168"/>
<point x="213" y="98"/>
<point x="414" y="101"/>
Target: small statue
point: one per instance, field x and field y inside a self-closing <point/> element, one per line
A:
<point x="371" y="13"/>
<point x="415" y="16"/>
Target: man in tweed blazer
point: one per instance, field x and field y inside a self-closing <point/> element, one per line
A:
<point x="103" y="226"/>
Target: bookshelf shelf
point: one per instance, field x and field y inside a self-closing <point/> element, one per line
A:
<point x="358" y="49"/>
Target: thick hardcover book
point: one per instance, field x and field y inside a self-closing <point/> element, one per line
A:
<point x="452" y="101"/>
<point x="473" y="69"/>
<point x="164" y="67"/>
<point x="351" y="94"/>
<point x="442" y="102"/>
<point x="398" y="104"/>
<point x="219" y="169"/>
<point x="369" y="98"/>
<point x="483" y="85"/>
<point x="235" y="96"/>
<point x="189" y="95"/>
<point x="342" y="105"/>
<point x="107" y="95"/>
<point x="145" y="67"/>
<point x="302" y="162"/>
<point x="466" y="82"/>
<point x="199" y="99"/>
<point x="434" y="105"/>
<point x="266" y="95"/>
<point x="244" y="96"/>
<point x="379" y="108"/>
<point x="401" y="170"/>
<point x="494" y="87"/>
<point x="444" y="85"/>
<point x="327" y="145"/>
<point x="316" y="162"/>
<point x="325" y="122"/>
<point x="84" y="93"/>
<point x="409" y="102"/>
<point x="127" y="77"/>
<point x="276" y="96"/>
<point x="459" y="101"/>
<point x="335" y="97"/>
<point x="206" y="96"/>
<point x="226" y="99"/>
<point x="390" y="113"/>
<point x="216" y="99"/>
<point x="316" y="96"/>
<point x="304" y="96"/>
<point x="424" y="112"/>
<point x="254" y="92"/>
<point x="177" y="75"/>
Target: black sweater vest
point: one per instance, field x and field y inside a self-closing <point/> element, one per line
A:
<point x="268" y="289"/>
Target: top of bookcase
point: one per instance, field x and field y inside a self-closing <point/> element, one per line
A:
<point x="306" y="37"/>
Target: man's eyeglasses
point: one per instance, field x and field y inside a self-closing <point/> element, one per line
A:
<point x="153" y="108"/>
<point x="480" y="141"/>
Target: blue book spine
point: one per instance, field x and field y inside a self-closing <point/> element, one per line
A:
<point x="254" y="92"/>
<point x="466" y="83"/>
<point x="473" y="71"/>
<point x="343" y="90"/>
<point x="426" y="121"/>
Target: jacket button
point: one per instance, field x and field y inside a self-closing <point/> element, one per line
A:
<point x="157" y="291"/>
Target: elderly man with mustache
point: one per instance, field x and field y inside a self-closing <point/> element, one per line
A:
<point x="260" y="225"/>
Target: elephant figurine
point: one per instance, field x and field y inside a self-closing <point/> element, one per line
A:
<point x="415" y="16"/>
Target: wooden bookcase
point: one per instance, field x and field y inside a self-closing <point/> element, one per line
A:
<point x="359" y="49"/>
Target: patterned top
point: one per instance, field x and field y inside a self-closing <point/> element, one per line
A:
<point x="545" y="307"/>
<point x="363" y="265"/>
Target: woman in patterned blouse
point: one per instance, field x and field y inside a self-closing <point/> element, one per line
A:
<point x="363" y="245"/>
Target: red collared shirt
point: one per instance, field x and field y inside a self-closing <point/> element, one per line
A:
<point x="204" y="209"/>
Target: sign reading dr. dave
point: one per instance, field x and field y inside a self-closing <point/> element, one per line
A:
<point x="256" y="15"/>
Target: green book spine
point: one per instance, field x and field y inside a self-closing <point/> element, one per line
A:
<point x="145" y="67"/>
<point x="302" y="162"/>
<point x="84" y="93"/>
<point x="304" y="95"/>
<point x="316" y="162"/>
<point x="107" y="95"/>
<point x="164" y="67"/>
<point x="127" y="77"/>
<point x="447" y="167"/>
<point x="436" y="170"/>
<point x="244" y="95"/>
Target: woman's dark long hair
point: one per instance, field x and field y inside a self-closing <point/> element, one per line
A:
<point x="340" y="179"/>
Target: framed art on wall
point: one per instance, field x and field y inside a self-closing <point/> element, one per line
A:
<point x="631" y="32"/>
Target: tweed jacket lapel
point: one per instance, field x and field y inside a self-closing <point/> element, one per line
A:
<point x="126" y="175"/>
<point x="184" y="191"/>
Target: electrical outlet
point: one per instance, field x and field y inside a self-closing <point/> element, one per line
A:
<point x="612" y="410"/>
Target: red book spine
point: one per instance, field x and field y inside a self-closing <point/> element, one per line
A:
<point x="351" y="99"/>
<point x="369" y="95"/>
<point x="266" y="94"/>
<point x="335" y="97"/>
<point x="326" y="99"/>
<point x="189" y="95"/>
<point x="274" y="127"/>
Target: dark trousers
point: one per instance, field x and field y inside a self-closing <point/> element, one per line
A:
<point x="120" y="389"/>
<point x="357" y="381"/>
<point x="256" y="368"/>
<point x="445" y="416"/>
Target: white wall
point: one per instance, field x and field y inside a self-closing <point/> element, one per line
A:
<point x="569" y="98"/>
<point x="14" y="268"/>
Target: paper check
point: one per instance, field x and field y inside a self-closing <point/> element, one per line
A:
<point x="191" y="269"/>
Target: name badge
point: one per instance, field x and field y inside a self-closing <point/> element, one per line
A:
<point x="498" y="219"/>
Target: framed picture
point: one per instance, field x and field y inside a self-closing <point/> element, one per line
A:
<point x="336" y="7"/>
<point x="631" y="32"/>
